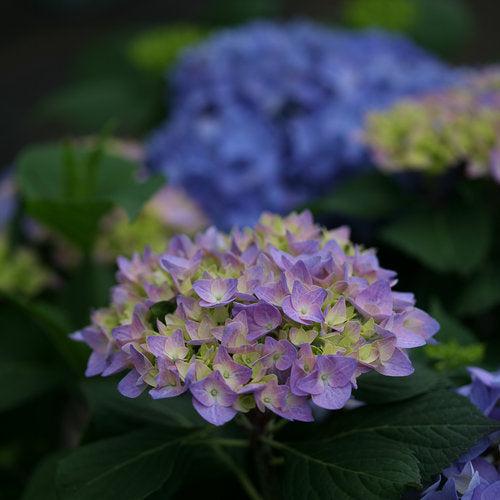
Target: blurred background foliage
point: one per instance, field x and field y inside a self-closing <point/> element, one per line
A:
<point x="71" y="65"/>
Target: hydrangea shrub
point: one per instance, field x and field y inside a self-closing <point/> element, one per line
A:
<point x="268" y="116"/>
<point x="475" y="475"/>
<point x="441" y="130"/>
<point x="274" y="317"/>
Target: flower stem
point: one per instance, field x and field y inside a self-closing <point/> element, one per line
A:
<point x="262" y="424"/>
<point x="230" y="443"/>
<point x="243" y="478"/>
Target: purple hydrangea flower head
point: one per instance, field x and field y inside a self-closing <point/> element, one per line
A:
<point x="277" y="318"/>
<point x="269" y="115"/>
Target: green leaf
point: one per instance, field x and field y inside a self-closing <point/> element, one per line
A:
<point x="69" y="189"/>
<point x="376" y="452"/>
<point x="450" y="328"/>
<point x="22" y="381"/>
<point x="52" y="324"/>
<point x="368" y="467"/>
<point x="481" y="293"/>
<point x="452" y="239"/>
<point x="86" y="289"/>
<point x="369" y="196"/>
<point x="376" y="389"/>
<point x="78" y="221"/>
<point x="117" y="182"/>
<point x="42" y="483"/>
<point x="113" y="412"/>
<point x="128" y="467"/>
<point x="84" y="106"/>
<point x="134" y="195"/>
<point x="438" y="427"/>
<point x="457" y="347"/>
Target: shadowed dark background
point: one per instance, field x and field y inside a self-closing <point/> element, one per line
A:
<point x="41" y="39"/>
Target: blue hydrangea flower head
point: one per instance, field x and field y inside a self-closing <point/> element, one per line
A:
<point x="278" y="318"/>
<point x="268" y="116"/>
<point x="8" y="198"/>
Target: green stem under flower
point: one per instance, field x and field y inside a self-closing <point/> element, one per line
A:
<point x="242" y="476"/>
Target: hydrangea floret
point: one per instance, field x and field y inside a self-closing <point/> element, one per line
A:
<point x="268" y="116"/>
<point x="277" y="318"/>
<point x="442" y="130"/>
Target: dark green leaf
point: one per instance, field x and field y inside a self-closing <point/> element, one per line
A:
<point x="376" y="452"/>
<point x="39" y="171"/>
<point x="374" y="388"/>
<point x="369" y="196"/>
<point x="86" y="289"/>
<point x="42" y="484"/>
<point x="113" y="412"/>
<point x="51" y="325"/>
<point x="69" y="189"/>
<point x="438" y="427"/>
<point x="86" y="105"/>
<point x="450" y="328"/>
<point x="364" y="466"/>
<point x="453" y="239"/>
<point x="133" y="196"/>
<point x="128" y="467"/>
<point x="481" y="293"/>
<point x="457" y="347"/>
<point x="78" y="221"/>
<point x="20" y="382"/>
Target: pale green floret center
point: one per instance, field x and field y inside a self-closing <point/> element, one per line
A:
<point x="213" y="392"/>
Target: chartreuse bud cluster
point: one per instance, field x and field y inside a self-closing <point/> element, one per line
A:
<point x="442" y="130"/>
<point x="21" y="272"/>
<point x="276" y="317"/>
<point x="170" y="211"/>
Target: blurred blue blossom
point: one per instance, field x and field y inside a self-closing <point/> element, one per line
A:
<point x="8" y="199"/>
<point x="268" y="116"/>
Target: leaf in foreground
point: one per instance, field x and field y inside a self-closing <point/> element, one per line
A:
<point x="377" y="452"/>
<point x="369" y="467"/>
<point x="128" y="467"/>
